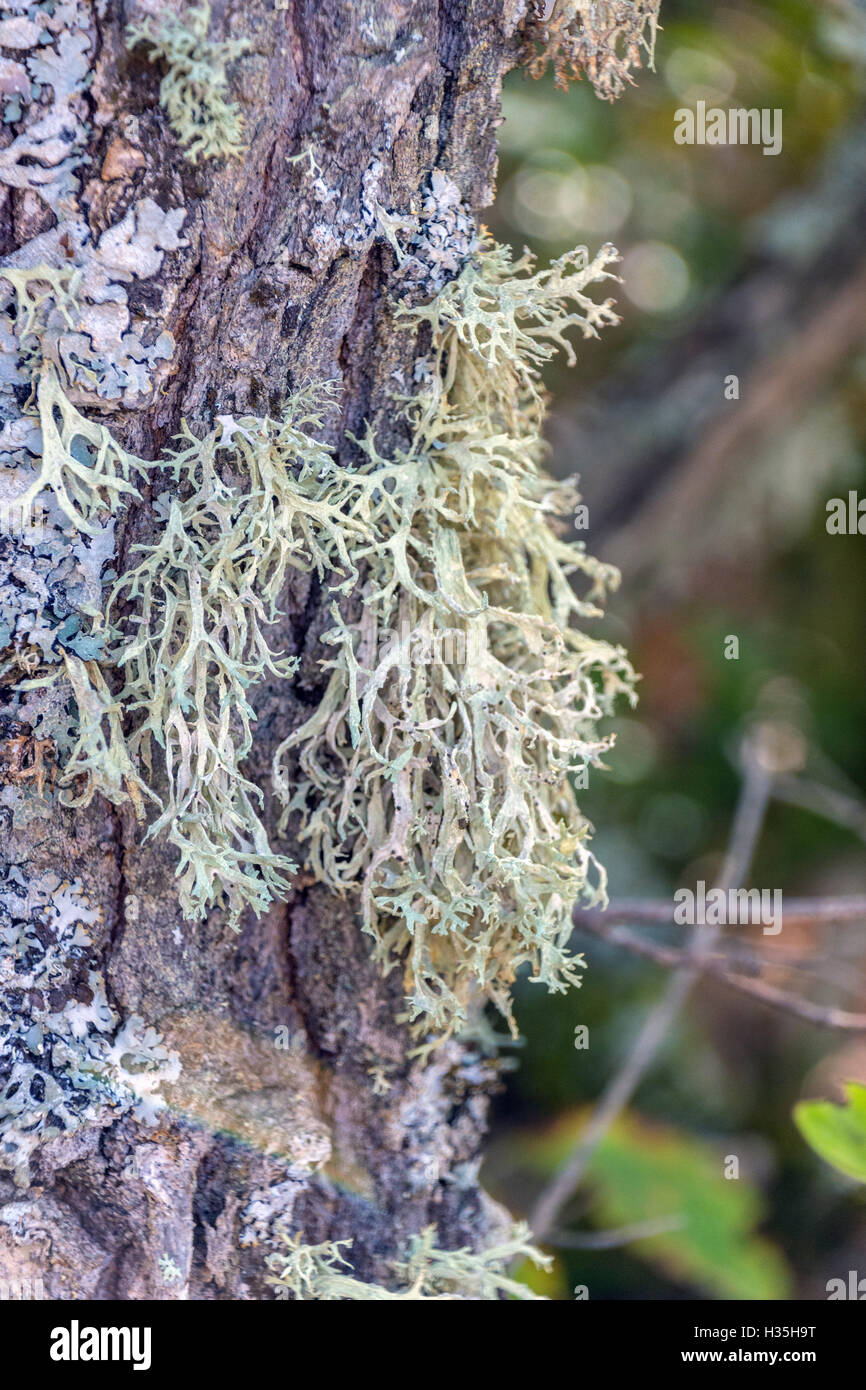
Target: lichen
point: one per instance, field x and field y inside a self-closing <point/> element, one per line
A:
<point x="202" y="596"/>
<point x="44" y="155"/>
<point x="99" y="759"/>
<point x="321" y="1273"/>
<point x="432" y="239"/>
<point x="435" y="774"/>
<point x="82" y="463"/>
<point x="193" y="90"/>
<point x="67" y="339"/>
<point x="204" y="592"/>
<point x="603" y="38"/>
<point x="443" y="238"/>
<point x="50" y="583"/>
<point x="66" y="1060"/>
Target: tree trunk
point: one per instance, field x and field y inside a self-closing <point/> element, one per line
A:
<point x="295" y="1101"/>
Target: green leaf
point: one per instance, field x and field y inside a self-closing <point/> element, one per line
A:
<point x="837" y="1132"/>
<point x="645" y="1172"/>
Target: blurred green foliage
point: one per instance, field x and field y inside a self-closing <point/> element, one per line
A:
<point x="644" y="1173"/>
<point x="837" y="1132"/>
<point x="574" y="169"/>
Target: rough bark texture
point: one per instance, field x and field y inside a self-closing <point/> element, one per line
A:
<point x="282" y="280"/>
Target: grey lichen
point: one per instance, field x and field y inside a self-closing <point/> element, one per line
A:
<point x="47" y="85"/>
<point x="67" y="304"/>
<point x="193" y="90"/>
<point x="66" y="1062"/>
<point x="444" y="237"/>
<point x="432" y="239"/>
<point x="50" y="585"/>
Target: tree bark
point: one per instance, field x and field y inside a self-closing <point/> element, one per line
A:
<point x="296" y="1101"/>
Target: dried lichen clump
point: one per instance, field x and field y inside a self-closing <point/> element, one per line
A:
<point x="436" y="772"/>
<point x="603" y="38"/>
<point x="193" y="89"/>
<point x="321" y="1273"/>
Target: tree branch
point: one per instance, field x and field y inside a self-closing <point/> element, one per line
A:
<point x="622" y="1235"/>
<point x="717" y="966"/>
<point x="748" y="819"/>
<point x="798" y="911"/>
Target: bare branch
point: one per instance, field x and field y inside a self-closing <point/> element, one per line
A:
<point x="622" y="1235"/>
<point x="749" y="817"/>
<point x="821" y="800"/>
<point x="719" y="966"/>
<point x="798" y="911"/>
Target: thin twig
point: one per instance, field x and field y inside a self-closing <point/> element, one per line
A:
<point x="797" y="911"/>
<point x="720" y="968"/>
<point x="821" y="800"/>
<point x="623" y="1235"/>
<point x="749" y="817"/>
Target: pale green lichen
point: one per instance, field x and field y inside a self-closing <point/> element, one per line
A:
<point x="82" y="463"/>
<point x="202" y="596"/>
<point x="321" y="1273"/>
<point x="193" y="90"/>
<point x="436" y="773"/>
<point x="88" y="472"/>
<point x="204" y="590"/>
<point x="40" y="292"/>
<point x="63" y="478"/>
<point x="435" y="776"/>
<point x="99" y="759"/>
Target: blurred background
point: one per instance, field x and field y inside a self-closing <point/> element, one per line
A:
<point x="735" y="264"/>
